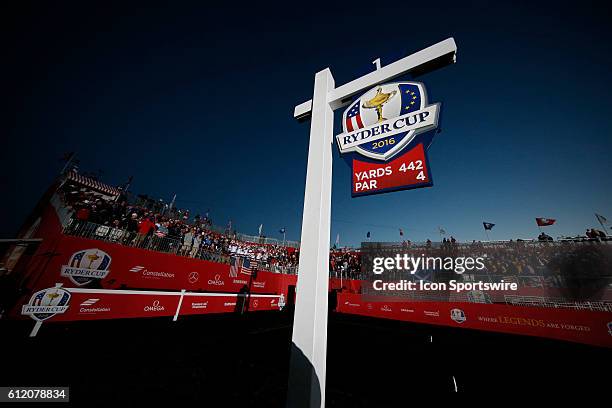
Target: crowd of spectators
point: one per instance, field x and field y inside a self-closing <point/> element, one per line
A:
<point x="544" y="237"/>
<point x="147" y="224"/>
<point x="345" y="263"/>
<point x="543" y="264"/>
<point x="151" y="224"/>
<point x="595" y="234"/>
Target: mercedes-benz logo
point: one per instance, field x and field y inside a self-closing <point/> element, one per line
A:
<point x="193" y="277"/>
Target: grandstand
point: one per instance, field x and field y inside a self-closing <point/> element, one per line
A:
<point x="82" y="213"/>
<point x="130" y="258"/>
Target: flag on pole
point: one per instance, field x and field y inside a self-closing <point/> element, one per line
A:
<point x="246" y="266"/>
<point x="260" y="229"/>
<point x="545" y="222"/>
<point x="337" y="240"/>
<point x="602" y="220"/>
<point x="172" y="203"/>
<point x="235" y="265"/>
<point x="67" y="156"/>
<point x="401" y="232"/>
<point x="488" y="226"/>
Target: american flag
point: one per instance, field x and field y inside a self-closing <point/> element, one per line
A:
<point x="248" y="266"/>
<point x="353" y="118"/>
<point x="235" y="264"/>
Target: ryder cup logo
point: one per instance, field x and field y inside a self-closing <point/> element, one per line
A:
<point x="457" y="315"/>
<point x="384" y="120"/>
<point x="47" y="303"/>
<point x="281" y="301"/>
<point x="87" y="265"/>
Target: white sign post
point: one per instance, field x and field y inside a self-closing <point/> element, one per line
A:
<point x="309" y="349"/>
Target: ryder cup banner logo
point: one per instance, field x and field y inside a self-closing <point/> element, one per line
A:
<point x="386" y="133"/>
<point x="87" y="265"/>
<point x="47" y="303"/>
<point x="458" y="315"/>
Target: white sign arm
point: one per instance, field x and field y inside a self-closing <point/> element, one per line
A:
<point x="444" y="51"/>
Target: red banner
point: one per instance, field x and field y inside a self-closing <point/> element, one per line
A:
<point x="91" y="265"/>
<point x="565" y="324"/>
<point x="346" y="285"/>
<point x="196" y="303"/>
<point x="86" y="263"/>
<point x="91" y="304"/>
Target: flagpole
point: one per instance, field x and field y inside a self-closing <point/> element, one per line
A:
<point x="602" y="224"/>
<point x="68" y="161"/>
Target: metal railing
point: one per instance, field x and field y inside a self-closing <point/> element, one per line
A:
<point x="555" y="303"/>
<point x="252" y="238"/>
<point x="265" y="240"/>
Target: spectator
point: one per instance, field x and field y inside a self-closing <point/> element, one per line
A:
<point x="197" y="239"/>
<point x="145" y="228"/>
<point x="132" y="223"/>
<point x="82" y="217"/>
<point x="544" y="237"/>
<point x="187" y="240"/>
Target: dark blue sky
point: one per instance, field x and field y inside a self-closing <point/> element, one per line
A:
<point x="198" y="101"/>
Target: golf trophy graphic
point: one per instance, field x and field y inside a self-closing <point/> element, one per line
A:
<point x="378" y="101"/>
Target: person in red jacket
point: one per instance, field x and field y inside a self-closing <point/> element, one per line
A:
<point x="81" y="218"/>
<point x="83" y="214"/>
<point x="145" y="227"/>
